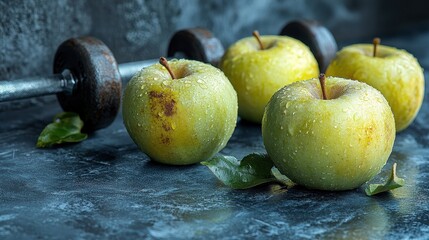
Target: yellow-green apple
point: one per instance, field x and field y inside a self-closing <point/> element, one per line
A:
<point x="180" y="113"/>
<point x="337" y="142"/>
<point x="395" y="73"/>
<point x="259" y="66"/>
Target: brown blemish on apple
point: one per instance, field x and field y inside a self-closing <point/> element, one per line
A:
<point x="169" y="108"/>
<point x="165" y="140"/>
<point x="368" y="135"/>
<point x="166" y="127"/>
<point x="162" y="107"/>
<point x="369" y="132"/>
<point x="162" y="101"/>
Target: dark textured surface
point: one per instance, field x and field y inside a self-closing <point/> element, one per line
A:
<point x="106" y="188"/>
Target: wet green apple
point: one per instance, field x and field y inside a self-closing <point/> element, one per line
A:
<point x="259" y="66"/>
<point x="336" y="142"/>
<point x="395" y="73"/>
<point x="181" y="115"/>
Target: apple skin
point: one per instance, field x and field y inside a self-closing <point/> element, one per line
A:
<point x="257" y="74"/>
<point x="395" y="73"/>
<point x="180" y="121"/>
<point x="334" y="144"/>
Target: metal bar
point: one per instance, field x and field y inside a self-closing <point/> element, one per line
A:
<point x="127" y="70"/>
<point x="36" y="86"/>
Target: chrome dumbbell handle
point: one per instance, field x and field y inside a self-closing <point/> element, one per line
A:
<point x="127" y="70"/>
<point x="36" y="86"/>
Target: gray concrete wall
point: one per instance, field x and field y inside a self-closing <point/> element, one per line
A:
<point x="31" y="30"/>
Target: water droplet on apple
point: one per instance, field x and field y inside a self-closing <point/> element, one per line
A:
<point x="290" y="130"/>
<point x="243" y="75"/>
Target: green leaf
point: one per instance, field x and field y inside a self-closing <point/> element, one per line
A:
<point x="281" y="178"/>
<point x="391" y="183"/>
<point x="65" y="128"/>
<point x="254" y="169"/>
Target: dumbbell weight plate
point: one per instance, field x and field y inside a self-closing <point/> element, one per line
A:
<point x="96" y="96"/>
<point x="318" y="38"/>
<point x="197" y="44"/>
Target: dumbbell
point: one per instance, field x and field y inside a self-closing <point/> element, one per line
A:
<point x="87" y="79"/>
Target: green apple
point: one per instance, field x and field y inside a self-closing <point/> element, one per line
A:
<point x="395" y="73"/>
<point x="182" y="118"/>
<point x="337" y="143"/>
<point x="258" y="70"/>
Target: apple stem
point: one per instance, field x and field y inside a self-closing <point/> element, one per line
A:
<point x="163" y="61"/>
<point x="322" y="85"/>
<point x="375" y="42"/>
<point x="258" y="38"/>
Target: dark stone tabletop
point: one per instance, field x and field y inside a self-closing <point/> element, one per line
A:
<point x="105" y="187"/>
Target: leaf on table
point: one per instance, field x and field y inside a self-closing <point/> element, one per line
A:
<point x="254" y="169"/>
<point x="391" y="183"/>
<point x="282" y="178"/>
<point x="66" y="128"/>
